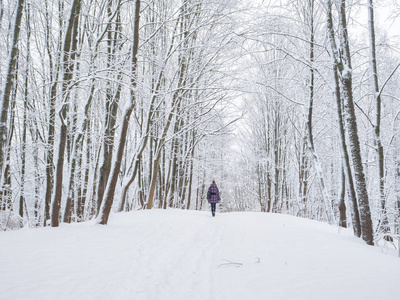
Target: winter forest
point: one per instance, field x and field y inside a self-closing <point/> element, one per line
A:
<point x="292" y="107"/>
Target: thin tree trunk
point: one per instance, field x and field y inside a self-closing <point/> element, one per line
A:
<point x="318" y="167"/>
<point x="277" y="160"/>
<point x="303" y="175"/>
<point x="24" y="129"/>
<point x="341" y="202"/>
<point x="156" y="162"/>
<point x="67" y="67"/>
<point x="174" y="164"/>
<point x="168" y="185"/>
<point x="383" y="222"/>
<point x="176" y="100"/>
<point x="191" y="168"/>
<point x="83" y="194"/>
<point x="138" y="156"/>
<point x="54" y="73"/>
<point x="76" y="155"/>
<point x="38" y="184"/>
<point x="111" y="108"/>
<point x="112" y="182"/>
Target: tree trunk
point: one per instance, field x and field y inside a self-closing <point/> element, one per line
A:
<point x="383" y="222"/>
<point x="69" y="46"/>
<point x="318" y="167"/>
<point x="138" y="156"/>
<point x="191" y="168"/>
<point x="25" y="121"/>
<point x="112" y="182"/>
<point x="347" y="92"/>
<point x="338" y="101"/>
<point x="54" y="73"/>
<point x="174" y="164"/>
<point x="341" y="202"/>
<point x="111" y="109"/>
<point x="8" y="84"/>
<point x="84" y="187"/>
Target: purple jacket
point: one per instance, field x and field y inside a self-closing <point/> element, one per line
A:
<point x="213" y="194"/>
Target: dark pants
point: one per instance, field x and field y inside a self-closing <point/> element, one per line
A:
<point x="213" y="206"/>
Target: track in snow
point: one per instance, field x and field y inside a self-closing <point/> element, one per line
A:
<point x="176" y="254"/>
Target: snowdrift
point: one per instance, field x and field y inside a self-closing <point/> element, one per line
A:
<point x="176" y="254"/>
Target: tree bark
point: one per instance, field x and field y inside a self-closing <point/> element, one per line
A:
<point x="338" y="101"/>
<point x="347" y="92"/>
<point x="8" y="84"/>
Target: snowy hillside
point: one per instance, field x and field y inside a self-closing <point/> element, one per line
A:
<point x="178" y="254"/>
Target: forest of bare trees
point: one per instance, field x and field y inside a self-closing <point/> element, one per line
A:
<point x="111" y="105"/>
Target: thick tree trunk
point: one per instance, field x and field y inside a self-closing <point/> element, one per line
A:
<point x="5" y="191"/>
<point x="338" y="101"/>
<point x="347" y="92"/>
<point x="351" y="191"/>
<point x="8" y="84"/>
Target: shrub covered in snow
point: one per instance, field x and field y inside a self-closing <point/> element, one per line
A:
<point x="10" y="221"/>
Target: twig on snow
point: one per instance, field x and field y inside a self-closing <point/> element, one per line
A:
<point x="230" y="263"/>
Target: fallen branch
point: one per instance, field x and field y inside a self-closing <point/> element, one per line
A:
<point x="230" y="263"/>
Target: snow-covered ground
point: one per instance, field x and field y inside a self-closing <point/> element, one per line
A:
<point x="176" y="254"/>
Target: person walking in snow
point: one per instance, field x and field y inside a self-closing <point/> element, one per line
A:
<point x="213" y="196"/>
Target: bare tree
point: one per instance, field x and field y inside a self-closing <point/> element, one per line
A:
<point x="383" y="222"/>
<point x="318" y="167"/>
<point x="344" y="72"/>
<point x="67" y="67"/>
<point x="6" y="92"/>
<point x="112" y="182"/>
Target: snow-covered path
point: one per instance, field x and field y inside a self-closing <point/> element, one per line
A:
<point x="177" y="254"/>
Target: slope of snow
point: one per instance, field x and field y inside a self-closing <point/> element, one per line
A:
<point x="177" y="254"/>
